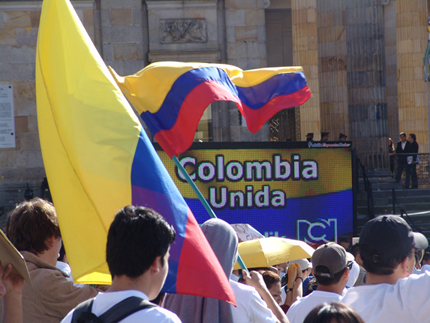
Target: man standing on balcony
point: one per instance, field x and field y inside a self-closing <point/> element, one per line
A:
<point x="412" y="160"/>
<point x="401" y="150"/>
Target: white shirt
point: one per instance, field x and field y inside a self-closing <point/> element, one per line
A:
<point x="234" y="277"/>
<point x="403" y="145"/>
<point x="250" y="307"/>
<point x="301" y="308"/>
<point x="423" y="269"/>
<point x="104" y="301"/>
<point x="405" y="301"/>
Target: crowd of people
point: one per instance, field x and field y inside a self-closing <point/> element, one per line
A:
<point x="325" y="136"/>
<point x="406" y="154"/>
<point x="325" y="289"/>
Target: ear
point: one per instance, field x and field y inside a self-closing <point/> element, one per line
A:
<point x="50" y="241"/>
<point x="346" y="274"/>
<point x="358" y="259"/>
<point x="405" y="266"/>
<point x="156" y="265"/>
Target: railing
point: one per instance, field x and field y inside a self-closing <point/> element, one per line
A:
<point x="368" y="189"/>
<point x="423" y="169"/>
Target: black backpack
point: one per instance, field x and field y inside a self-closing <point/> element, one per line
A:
<point x="116" y="313"/>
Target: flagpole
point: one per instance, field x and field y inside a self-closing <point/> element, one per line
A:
<point x="203" y="200"/>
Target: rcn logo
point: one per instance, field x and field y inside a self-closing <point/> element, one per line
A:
<point x="321" y="231"/>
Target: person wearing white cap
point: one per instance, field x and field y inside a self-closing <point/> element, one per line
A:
<point x="330" y="264"/>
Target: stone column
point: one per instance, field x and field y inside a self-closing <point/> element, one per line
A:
<point x="246" y="48"/>
<point x="305" y="53"/>
<point x="391" y="69"/>
<point x="411" y="39"/>
<point x="332" y="56"/>
<point x="366" y="81"/>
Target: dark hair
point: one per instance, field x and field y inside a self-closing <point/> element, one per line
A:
<point x="31" y="224"/>
<point x="326" y="281"/>
<point x="426" y="256"/>
<point x="380" y="266"/>
<point x="402" y="134"/>
<point x="136" y="237"/>
<point x="270" y="278"/>
<point x="412" y="135"/>
<point x="355" y="249"/>
<point x="334" y="312"/>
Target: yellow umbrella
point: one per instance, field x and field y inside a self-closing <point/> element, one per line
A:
<point x="271" y="251"/>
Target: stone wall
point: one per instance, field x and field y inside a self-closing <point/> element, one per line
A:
<point x="332" y="57"/>
<point x="411" y="39"/>
<point x="128" y="34"/>
<point x="391" y="69"/>
<point x="246" y="48"/>
<point x="305" y="53"/>
<point x="19" y="22"/>
<point x="122" y="34"/>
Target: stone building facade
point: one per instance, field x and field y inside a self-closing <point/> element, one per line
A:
<point x="363" y="60"/>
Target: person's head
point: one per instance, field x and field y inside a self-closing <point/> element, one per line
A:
<point x="331" y="264"/>
<point x="412" y="137"/>
<point x="355" y="251"/>
<point x="223" y="240"/>
<point x="333" y="313"/>
<point x="282" y="267"/>
<point x="310" y="136"/>
<point x="345" y="242"/>
<point x="386" y="242"/>
<point x="324" y="135"/>
<point x="426" y="258"/>
<point x="402" y="136"/>
<point x="33" y="226"/>
<point x="273" y="284"/>
<point x="420" y="244"/>
<point x="138" y="240"/>
<point x="342" y="137"/>
<point x="305" y="266"/>
<point x="390" y="142"/>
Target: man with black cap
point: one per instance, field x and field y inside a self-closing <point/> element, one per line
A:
<point x="392" y="294"/>
<point x="324" y="136"/>
<point x="310" y="136"/>
<point x="342" y="137"/>
<point x="331" y="264"/>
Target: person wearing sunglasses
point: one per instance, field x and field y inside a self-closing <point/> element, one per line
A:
<point x="331" y="265"/>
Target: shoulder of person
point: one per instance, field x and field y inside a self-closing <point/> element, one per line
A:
<point x="53" y="287"/>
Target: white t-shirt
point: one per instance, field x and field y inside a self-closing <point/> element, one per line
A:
<point x="250" y="307"/>
<point x="301" y="308"/>
<point x="104" y="301"/>
<point x="405" y="301"/>
<point x="423" y="269"/>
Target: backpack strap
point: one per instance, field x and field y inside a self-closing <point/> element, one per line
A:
<point x="83" y="314"/>
<point x="116" y="313"/>
<point x="125" y="308"/>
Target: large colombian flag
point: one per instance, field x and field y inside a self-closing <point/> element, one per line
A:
<point x="98" y="159"/>
<point x="171" y="97"/>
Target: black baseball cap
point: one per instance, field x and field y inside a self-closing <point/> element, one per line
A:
<point x="389" y="236"/>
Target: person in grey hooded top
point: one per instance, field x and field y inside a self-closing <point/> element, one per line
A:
<point x="196" y="309"/>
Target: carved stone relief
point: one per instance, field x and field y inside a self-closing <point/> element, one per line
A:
<point x="183" y="31"/>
